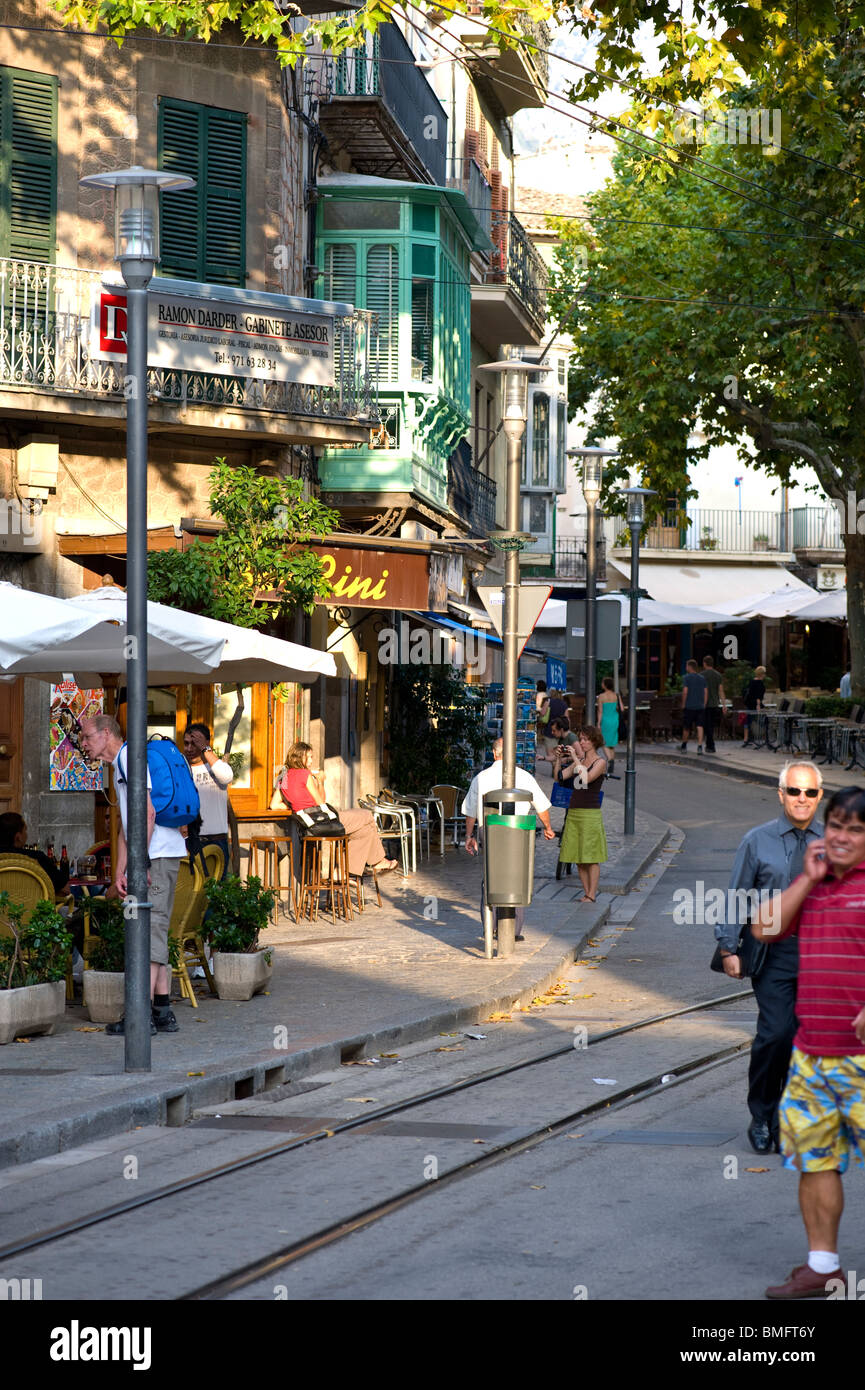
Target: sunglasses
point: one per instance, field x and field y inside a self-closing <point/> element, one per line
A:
<point x="810" y="792"/>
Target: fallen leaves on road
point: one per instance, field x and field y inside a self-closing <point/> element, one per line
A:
<point x="499" y="1018"/>
<point x="573" y="1136"/>
<point x="195" y="1073"/>
<point x="88" y="1030"/>
<point x="450" y="1047"/>
<point x="584" y="996"/>
<point x="363" y="1062"/>
<point x="25" y="1040"/>
<point x="388" y="1054"/>
<point x="758" y="1170"/>
<point x="537" y="1186"/>
<point x="479" y="1141"/>
<point x="634" y="960"/>
<point x="363" y="1100"/>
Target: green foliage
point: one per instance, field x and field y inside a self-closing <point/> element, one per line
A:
<point x="735" y="678"/>
<point x="828" y="707"/>
<point x="35" y="954"/>
<point x="108" y="922"/>
<point x="436" y="728"/>
<point x="237" y="912"/>
<point x="675" y="685"/>
<point x="262" y="550"/>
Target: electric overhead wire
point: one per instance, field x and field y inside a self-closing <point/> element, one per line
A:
<point x="695" y="159"/>
<point x="632" y="86"/>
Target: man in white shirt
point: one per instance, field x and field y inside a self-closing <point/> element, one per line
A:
<point x="490" y="779"/>
<point x="101" y="738"/>
<point x="212" y="777"/>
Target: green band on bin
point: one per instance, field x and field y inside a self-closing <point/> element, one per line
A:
<point x="512" y="822"/>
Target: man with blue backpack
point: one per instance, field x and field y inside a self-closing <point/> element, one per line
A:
<point x="172" y="801"/>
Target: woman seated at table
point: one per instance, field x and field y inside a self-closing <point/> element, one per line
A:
<point x="584" y="841"/>
<point x="13" y="839"/>
<point x="301" y="788"/>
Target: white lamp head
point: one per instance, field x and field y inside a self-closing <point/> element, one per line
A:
<point x="136" y="208"/>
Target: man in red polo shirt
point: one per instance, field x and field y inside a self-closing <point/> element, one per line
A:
<point x="822" y="1110"/>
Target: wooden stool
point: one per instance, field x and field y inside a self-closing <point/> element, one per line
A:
<point x="314" y="882"/>
<point x="266" y="845"/>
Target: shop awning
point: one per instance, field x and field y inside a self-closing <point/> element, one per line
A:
<point x="708" y="585"/>
<point x="441" y="620"/>
<point x="787" y="603"/>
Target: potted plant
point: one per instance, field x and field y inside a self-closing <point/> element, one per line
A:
<point x="761" y="541"/>
<point x="707" y="540"/>
<point x="104" y="980"/>
<point x="237" y="912"/>
<point x="33" y="961"/>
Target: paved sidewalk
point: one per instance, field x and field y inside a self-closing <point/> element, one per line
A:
<point x="756" y="764"/>
<point x="408" y="970"/>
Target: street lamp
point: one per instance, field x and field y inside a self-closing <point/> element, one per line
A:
<point x="512" y="540"/>
<point x="636" y="516"/>
<point x="136" y="247"/>
<point x="593" y="471"/>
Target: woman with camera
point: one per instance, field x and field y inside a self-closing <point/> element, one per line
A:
<point x="584" y="841"/>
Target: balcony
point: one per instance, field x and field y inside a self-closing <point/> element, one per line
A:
<point x="510" y="305"/>
<point x="471" y="494"/>
<point x="46" y="367"/>
<point x="723" y="530"/>
<point x="570" y="563"/>
<point x="509" y="79"/>
<point x="466" y="175"/>
<point x="381" y="110"/>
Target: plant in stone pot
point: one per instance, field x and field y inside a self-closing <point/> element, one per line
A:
<point x="104" y="980"/>
<point x="33" y="961"/>
<point x="237" y="912"/>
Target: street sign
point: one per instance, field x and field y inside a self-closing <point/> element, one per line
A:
<point x="608" y="636"/>
<point x="531" y="599"/>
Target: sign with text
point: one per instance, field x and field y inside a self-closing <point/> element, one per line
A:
<point x="220" y="337"/>
<point x="375" y="578"/>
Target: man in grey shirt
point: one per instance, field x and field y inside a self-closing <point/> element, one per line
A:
<point x="694" y="696"/>
<point x="768" y="859"/>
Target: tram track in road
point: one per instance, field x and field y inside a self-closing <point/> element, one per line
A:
<point x="637" y="1091"/>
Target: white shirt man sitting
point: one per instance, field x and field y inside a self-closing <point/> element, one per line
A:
<point x="490" y="779"/>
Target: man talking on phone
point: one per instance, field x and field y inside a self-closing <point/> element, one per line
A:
<point x="768" y="859"/>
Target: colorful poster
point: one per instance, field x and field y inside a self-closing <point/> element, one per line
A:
<point x="68" y="769"/>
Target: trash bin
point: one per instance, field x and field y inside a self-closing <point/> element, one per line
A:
<point x="509" y="848"/>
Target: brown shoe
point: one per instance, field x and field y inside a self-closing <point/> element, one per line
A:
<point x="804" y="1282"/>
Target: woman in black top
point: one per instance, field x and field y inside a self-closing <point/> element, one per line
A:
<point x="755" y="694"/>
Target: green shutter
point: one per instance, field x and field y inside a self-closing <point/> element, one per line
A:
<point x="382" y="298"/>
<point x="203" y="230"/>
<point x="28" y="164"/>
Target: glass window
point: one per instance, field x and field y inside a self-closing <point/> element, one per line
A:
<point x="562" y="369"/>
<point x="422" y="330"/>
<point x="540" y="439"/>
<point x="367" y="214"/>
<point x="537" y="515"/>
<point x="561" y="438"/>
<point x="423" y="217"/>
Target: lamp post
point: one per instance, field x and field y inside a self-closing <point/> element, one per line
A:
<point x="512" y="540"/>
<point x="593" y="472"/>
<point x="136" y="247"/>
<point x="636" y="515"/>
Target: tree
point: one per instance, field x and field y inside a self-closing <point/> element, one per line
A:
<point x="262" y="550"/>
<point x="436" y="730"/>
<point x="698" y="308"/>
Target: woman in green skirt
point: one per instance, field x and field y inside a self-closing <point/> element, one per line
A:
<point x="584" y="842"/>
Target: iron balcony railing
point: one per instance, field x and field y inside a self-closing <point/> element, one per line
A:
<point x="386" y="68"/>
<point x="471" y="494"/>
<point x="737" y="532"/>
<point x="46" y="346"/>
<point x="570" y="562"/>
<point x="516" y="263"/>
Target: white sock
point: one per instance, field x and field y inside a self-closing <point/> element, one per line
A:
<point x="822" y="1262"/>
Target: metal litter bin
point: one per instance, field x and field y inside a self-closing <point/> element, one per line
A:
<point x="509" y="848"/>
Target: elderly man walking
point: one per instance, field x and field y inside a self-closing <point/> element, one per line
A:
<point x="822" y="1113"/>
<point x="101" y="738"/>
<point x="490" y="779"/>
<point x="768" y="859"/>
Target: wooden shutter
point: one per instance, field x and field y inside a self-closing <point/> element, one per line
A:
<point x="382" y="298"/>
<point x="203" y="230"/>
<point x="340" y="273"/>
<point x="28" y="164"/>
<point x="422" y="328"/>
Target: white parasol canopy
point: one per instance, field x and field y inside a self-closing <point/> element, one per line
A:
<point x="85" y="637"/>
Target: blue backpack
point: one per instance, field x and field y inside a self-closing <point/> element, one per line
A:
<point x="172" y="789"/>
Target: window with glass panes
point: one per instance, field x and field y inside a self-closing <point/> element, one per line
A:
<point x="540" y="439"/>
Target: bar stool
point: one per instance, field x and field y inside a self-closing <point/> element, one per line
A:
<point x="357" y="880"/>
<point x="314" y="882"/>
<point x="266" y="846"/>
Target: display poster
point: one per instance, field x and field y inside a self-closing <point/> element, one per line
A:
<point x="68" y="768"/>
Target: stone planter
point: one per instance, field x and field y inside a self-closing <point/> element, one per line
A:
<point x="239" y="975"/>
<point x="104" y="995"/>
<point x="32" y="1009"/>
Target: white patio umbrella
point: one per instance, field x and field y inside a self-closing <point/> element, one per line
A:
<point x="51" y="638"/>
<point x="242" y="653"/>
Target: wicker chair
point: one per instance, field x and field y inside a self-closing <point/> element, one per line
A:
<point x="25" y="882"/>
<point x="187" y="915"/>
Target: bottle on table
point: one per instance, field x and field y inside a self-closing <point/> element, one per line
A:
<point x="64" y="858"/>
<point x="50" y="848"/>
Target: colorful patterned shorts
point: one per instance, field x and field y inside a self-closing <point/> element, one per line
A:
<point x="822" y="1113"/>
